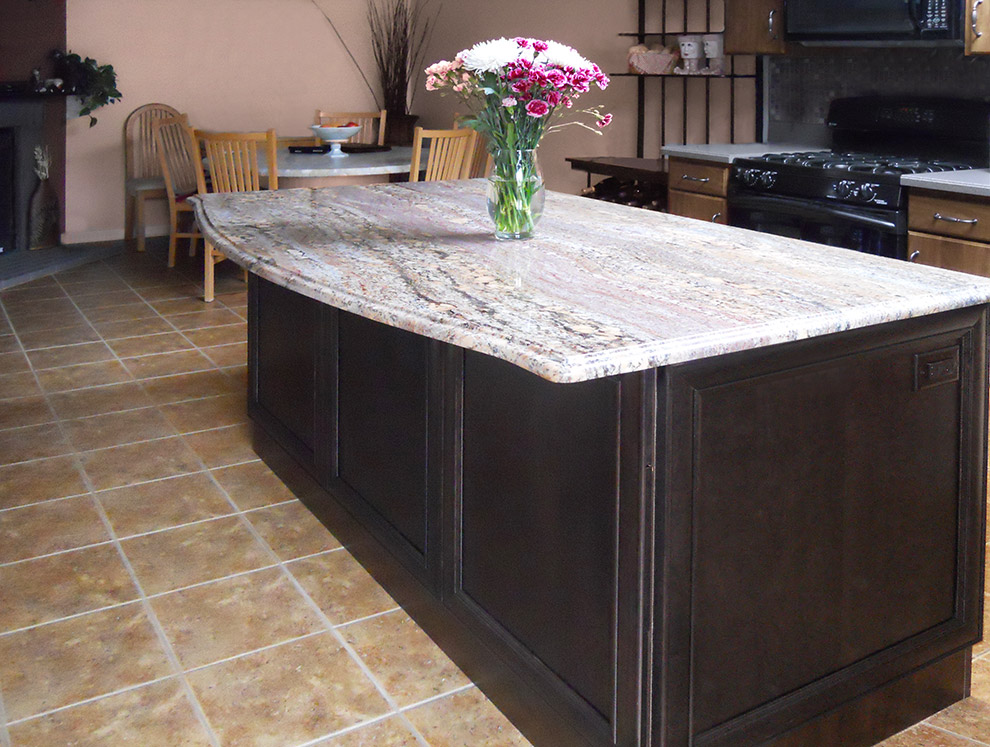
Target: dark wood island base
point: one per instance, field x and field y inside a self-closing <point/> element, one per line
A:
<point x="777" y="546"/>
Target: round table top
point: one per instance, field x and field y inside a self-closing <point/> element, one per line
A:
<point x="394" y="161"/>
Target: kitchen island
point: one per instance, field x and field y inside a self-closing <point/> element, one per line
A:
<point x="649" y="481"/>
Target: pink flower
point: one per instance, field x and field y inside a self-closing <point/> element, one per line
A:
<point x="522" y="42"/>
<point x="605" y="121"/>
<point x="552" y="98"/>
<point x="537" y="108"/>
<point x="508" y="102"/>
<point x="539" y="46"/>
<point x="431" y="83"/>
<point x="520" y="86"/>
<point x="556" y="78"/>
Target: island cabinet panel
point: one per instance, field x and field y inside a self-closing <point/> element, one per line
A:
<point x="538" y="501"/>
<point x="382" y="403"/>
<point x="827" y="524"/>
<point x="284" y="342"/>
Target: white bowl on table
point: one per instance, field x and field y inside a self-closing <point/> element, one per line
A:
<point x="335" y="136"/>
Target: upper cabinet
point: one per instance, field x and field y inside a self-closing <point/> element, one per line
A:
<point x="757" y="26"/>
<point x="977" y="27"/>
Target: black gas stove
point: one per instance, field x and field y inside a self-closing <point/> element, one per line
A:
<point x="851" y="196"/>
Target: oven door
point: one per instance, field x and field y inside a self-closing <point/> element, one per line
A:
<point x="880" y="232"/>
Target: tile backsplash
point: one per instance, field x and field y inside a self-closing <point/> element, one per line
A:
<point x="801" y="84"/>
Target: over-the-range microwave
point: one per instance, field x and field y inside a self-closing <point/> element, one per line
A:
<point x="875" y="22"/>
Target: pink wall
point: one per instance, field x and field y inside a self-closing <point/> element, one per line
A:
<point x="230" y="64"/>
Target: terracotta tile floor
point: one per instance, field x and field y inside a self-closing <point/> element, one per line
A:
<point x="158" y="583"/>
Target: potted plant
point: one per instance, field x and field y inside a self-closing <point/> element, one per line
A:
<point x="93" y="84"/>
<point x="400" y="30"/>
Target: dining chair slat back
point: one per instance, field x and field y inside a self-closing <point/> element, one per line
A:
<point x="234" y="166"/>
<point x="182" y="170"/>
<point x="232" y="159"/>
<point x="142" y="171"/>
<point x="448" y="157"/>
<point x="372" y="130"/>
<point x="480" y="158"/>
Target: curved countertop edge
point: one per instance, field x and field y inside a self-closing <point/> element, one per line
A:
<point x="565" y="370"/>
<point x="974" y="182"/>
<point x="309" y="165"/>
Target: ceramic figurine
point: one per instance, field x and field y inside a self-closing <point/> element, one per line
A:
<point x="692" y="53"/>
<point x="713" y="47"/>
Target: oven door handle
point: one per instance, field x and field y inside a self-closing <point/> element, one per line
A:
<point x="809" y="210"/>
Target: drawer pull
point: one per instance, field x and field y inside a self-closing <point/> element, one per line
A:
<point x="689" y="178"/>
<point x="950" y="219"/>
<point x="914" y="255"/>
<point x="716" y="217"/>
<point x="771" y="26"/>
<point x="974" y="19"/>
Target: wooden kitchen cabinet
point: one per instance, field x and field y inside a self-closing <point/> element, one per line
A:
<point x="977" y="21"/>
<point x="756" y="26"/>
<point x="697" y="189"/>
<point x="950" y="231"/>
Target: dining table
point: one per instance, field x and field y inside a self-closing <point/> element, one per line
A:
<point x="323" y="170"/>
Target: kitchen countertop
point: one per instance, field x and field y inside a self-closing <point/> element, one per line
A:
<point x="603" y="289"/>
<point x="974" y="182"/>
<point x="728" y="152"/>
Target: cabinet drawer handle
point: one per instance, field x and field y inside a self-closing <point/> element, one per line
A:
<point x="914" y="255"/>
<point x="950" y="219"/>
<point x="689" y="178"/>
<point x="974" y="19"/>
<point x="716" y="217"/>
<point x="773" y="31"/>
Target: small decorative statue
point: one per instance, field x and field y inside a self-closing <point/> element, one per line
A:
<point x="714" y="52"/>
<point x="43" y="222"/>
<point x="691" y="53"/>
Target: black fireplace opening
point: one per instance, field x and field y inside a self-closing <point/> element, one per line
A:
<point x="6" y="189"/>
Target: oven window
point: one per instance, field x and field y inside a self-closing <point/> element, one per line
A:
<point x="833" y="232"/>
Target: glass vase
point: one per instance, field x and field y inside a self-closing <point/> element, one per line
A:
<point x="515" y="193"/>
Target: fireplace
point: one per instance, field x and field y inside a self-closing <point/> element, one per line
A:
<point x="26" y="121"/>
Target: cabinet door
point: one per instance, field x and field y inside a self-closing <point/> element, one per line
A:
<point x="977" y="21"/>
<point x="701" y="207"/>
<point x="949" y="254"/>
<point x="755" y="26"/>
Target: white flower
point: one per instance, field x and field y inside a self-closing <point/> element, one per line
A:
<point x="509" y="101"/>
<point x="489" y="56"/>
<point x="564" y="56"/>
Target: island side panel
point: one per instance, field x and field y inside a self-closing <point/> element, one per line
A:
<point x="824" y="527"/>
<point x="548" y="510"/>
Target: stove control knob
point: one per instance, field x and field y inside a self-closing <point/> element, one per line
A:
<point x="868" y="192"/>
<point x="845" y="189"/>
<point x="768" y="179"/>
<point x="749" y="176"/>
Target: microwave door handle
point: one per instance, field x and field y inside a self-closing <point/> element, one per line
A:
<point x="914" y="12"/>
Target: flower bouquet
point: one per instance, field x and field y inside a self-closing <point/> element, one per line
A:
<point x="515" y="88"/>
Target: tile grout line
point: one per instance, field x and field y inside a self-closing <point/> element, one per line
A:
<point x="94" y="698"/>
<point x="950" y="732"/>
<point x="170" y="655"/>
<point x="328" y="624"/>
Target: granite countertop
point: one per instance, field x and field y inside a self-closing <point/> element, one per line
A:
<point x="728" y="152"/>
<point x="974" y="182"/>
<point x="603" y="289"/>
<point x="395" y="161"/>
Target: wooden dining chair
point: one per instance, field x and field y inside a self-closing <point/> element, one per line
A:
<point x="480" y="157"/>
<point x="182" y="170"/>
<point x="142" y="170"/>
<point x="372" y="130"/>
<point x="233" y="162"/>
<point x="449" y="156"/>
